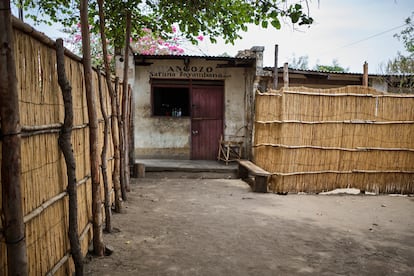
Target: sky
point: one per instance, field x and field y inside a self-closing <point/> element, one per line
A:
<point x="349" y="31"/>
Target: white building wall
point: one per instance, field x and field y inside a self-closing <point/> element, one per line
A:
<point x="169" y="137"/>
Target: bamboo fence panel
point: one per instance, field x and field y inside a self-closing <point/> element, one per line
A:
<point x="43" y="173"/>
<point x="313" y="140"/>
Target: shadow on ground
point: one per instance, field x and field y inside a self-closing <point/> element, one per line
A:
<point x="219" y="227"/>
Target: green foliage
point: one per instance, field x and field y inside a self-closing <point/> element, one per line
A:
<point x="335" y="67"/>
<point x="49" y="11"/>
<point x="225" y="18"/>
<point x="404" y="64"/>
<point x="218" y="18"/>
<point x="401" y="65"/>
<point x="407" y="35"/>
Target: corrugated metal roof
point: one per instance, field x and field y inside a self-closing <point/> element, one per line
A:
<point x="223" y="58"/>
<point x="318" y="72"/>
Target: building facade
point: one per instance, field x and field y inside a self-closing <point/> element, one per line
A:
<point x="183" y="105"/>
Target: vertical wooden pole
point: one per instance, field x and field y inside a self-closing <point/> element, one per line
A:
<point x="125" y="98"/>
<point x="124" y="131"/>
<point x="107" y="191"/>
<point x="114" y="118"/>
<point x="98" y="246"/>
<point x="21" y="10"/>
<point x="65" y="145"/>
<point x="121" y="140"/>
<point x="275" y="73"/>
<point x="286" y="75"/>
<point x="131" y="127"/>
<point x="12" y="211"/>
<point x="365" y="76"/>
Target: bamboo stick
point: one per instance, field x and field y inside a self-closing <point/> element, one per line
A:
<point x="332" y="148"/>
<point x="36" y="212"/>
<point x="39" y="210"/>
<point x="348" y="94"/>
<point x="341" y="172"/>
<point x="85" y="231"/>
<point x="335" y="122"/>
<point x="59" y="264"/>
<point x="41" y="127"/>
<point x="65" y="258"/>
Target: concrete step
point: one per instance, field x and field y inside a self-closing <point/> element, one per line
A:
<point x="160" y="168"/>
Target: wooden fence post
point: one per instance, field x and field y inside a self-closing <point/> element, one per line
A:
<point x="121" y="140"/>
<point x="275" y="73"/>
<point x="114" y="123"/>
<point x="65" y="145"/>
<point x="98" y="246"/>
<point x="125" y="154"/>
<point x="286" y="75"/>
<point x="107" y="191"/>
<point x="13" y="225"/>
<point x="365" y="76"/>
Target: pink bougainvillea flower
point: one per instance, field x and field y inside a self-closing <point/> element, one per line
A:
<point x="200" y="37"/>
<point x="174" y="29"/>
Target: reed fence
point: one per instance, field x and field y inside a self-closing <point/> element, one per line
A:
<point x="43" y="170"/>
<point x="315" y="140"/>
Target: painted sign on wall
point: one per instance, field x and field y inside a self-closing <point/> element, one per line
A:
<point x="183" y="71"/>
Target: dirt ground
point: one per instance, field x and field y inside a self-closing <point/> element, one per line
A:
<point x="219" y="227"/>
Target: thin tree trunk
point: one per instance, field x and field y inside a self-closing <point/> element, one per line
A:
<point x="121" y="140"/>
<point x="98" y="246"/>
<point x="130" y="128"/>
<point x="114" y="122"/>
<point x="65" y="145"/>
<point x="125" y="97"/>
<point x="13" y="225"/>
<point x="107" y="192"/>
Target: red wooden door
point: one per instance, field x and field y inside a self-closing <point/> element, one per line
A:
<point x="206" y="121"/>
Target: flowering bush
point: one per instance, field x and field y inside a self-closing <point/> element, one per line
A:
<point x="148" y="43"/>
<point x="74" y="43"/>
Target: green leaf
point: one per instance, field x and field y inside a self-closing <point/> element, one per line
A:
<point x="294" y="17"/>
<point x="264" y="24"/>
<point x="276" y="23"/>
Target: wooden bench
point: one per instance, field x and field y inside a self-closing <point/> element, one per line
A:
<point x="261" y="177"/>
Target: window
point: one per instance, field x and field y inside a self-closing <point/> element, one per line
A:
<point x="171" y="101"/>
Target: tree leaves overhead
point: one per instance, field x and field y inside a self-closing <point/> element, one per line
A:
<point x="407" y="35"/>
<point x="215" y="18"/>
<point x="226" y="18"/>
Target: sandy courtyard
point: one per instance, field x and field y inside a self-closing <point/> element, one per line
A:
<point x="219" y="227"/>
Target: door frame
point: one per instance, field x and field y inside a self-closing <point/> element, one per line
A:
<point x="206" y="84"/>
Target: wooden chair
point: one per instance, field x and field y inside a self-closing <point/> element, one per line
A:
<point x="229" y="150"/>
